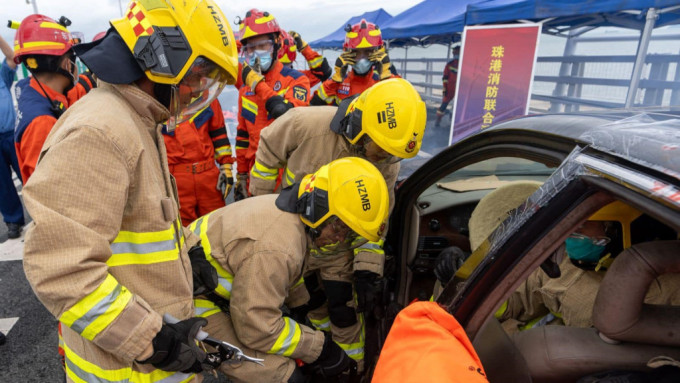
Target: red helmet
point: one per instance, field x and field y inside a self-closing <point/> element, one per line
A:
<point x="257" y="23"/>
<point x="288" y="50"/>
<point x="362" y="35"/>
<point x="99" y="36"/>
<point x="41" y="35"/>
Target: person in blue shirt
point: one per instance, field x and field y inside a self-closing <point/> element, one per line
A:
<point x="10" y="204"/>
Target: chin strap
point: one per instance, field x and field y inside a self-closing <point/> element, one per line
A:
<point x="56" y="107"/>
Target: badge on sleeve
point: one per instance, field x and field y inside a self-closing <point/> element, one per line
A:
<point x="300" y="93"/>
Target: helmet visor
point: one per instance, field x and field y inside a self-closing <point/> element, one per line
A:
<point x="336" y="237"/>
<point x="200" y="85"/>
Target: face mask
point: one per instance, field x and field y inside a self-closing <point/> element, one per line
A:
<point x="362" y="67"/>
<point x="583" y="249"/>
<point x="265" y="58"/>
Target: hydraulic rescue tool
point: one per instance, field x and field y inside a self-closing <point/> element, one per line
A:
<point x="226" y="352"/>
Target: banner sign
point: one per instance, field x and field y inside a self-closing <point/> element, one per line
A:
<point x="494" y="77"/>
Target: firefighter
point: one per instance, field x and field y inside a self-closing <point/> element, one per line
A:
<point x="106" y="253"/>
<point x="86" y="81"/>
<point x="44" y="47"/>
<point x="259" y="261"/>
<point x="193" y="149"/>
<point x="365" y="52"/>
<point x="384" y="124"/>
<point x="448" y="84"/>
<point x="269" y="89"/>
<point x="318" y="71"/>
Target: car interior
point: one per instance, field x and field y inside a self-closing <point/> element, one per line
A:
<point x="633" y="292"/>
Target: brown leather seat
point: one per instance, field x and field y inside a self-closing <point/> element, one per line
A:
<point x="564" y="354"/>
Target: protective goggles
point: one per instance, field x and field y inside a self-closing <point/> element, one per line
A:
<point x="599" y="241"/>
<point x="265" y="45"/>
<point x="200" y="85"/>
<point x="343" y="237"/>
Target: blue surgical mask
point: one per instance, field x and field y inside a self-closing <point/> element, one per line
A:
<point x="265" y="58"/>
<point x="584" y="250"/>
<point x="362" y="66"/>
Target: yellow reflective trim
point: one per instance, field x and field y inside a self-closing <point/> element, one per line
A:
<point x="314" y="63"/>
<point x="260" y="171"/>
<point x="288" y="339"/>
<point x="283" y="91"/>
<point x="225" y="279"/>
<point x="86" y="317"/>
<point x="47" y="24"/>
<point x="298" y="283"/>
<point x="499" y="313"/>
<point x="323" y="324"/>
<point x="375" y="32"/>
<point x="290" y="177"/>
<point x="353" y="350"/>
<point x="247" y="32"/>
<point x="81" y="370"/>
<point x="223" y="151"/>
<point x="42" y="44"/>
<point x="205" y="308"/>
<point x="322" y="93"/>
<point x="249" y="105"/>
<point x="199" y="112"/>
<point x="352" y="35"/>
<point x="130" y="248"/>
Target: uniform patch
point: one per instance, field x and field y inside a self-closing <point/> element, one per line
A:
<point x="411" y="145"/>
<point x="249" y="93"/>
<point x="277" y="86"/>
<point x="300" y="93"/>
<point x="344" y="89"/>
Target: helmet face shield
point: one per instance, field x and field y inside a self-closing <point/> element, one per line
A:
<point x="198" y="88"/>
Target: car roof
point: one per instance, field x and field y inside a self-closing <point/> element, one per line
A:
<point x="651" y="139"/>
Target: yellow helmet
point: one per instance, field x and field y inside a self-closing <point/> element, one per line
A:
<point x="391" y="113"/>
<point x="187" y="44"/>
<point x="351" y="189"/>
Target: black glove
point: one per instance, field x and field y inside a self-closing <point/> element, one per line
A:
<point x="448" y="262"/>
<point x="323" y="72"/>
<point x="175" y="348"/>
<point x="333" y="360"/>
<point x="276" y="106"/>
<point x="205" y="275"/>
<point x="299" y="314"/>
<point x="364" y="285"/>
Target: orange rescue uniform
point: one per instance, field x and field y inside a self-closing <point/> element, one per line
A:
<point x="426" y="343"/>
<point x="292" y="85"/>
<point x="35" y="118"/>
<point x="192" y="150"/>
<point x="331" y="92"/>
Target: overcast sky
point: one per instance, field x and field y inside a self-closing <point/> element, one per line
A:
<point x="311" y="18"/>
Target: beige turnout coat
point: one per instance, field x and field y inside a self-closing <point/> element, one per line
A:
<point x="106" y="253"/>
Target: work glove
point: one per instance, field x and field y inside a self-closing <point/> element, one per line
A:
<point x="225" y="181"/>
<point x="364" y="285"/>
<point x="346" y="59"/>
<point x="299" y="313"/>
<point x="241" y="187"/>
<point x="382" y="63"/>
<point x="300" y="44"/>
<point x="448" y="262"/>
<point x="251" y="76"/>
<point x="175" y="348"/>
<point x="276" y="106"/>
<point x="332" y="361"/>
<point x="205" y="275"/>
<point x="323" y="71"/>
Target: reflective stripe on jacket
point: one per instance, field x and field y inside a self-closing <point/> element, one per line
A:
<point x="105" y="252"/>
<point x="260" y="255"/>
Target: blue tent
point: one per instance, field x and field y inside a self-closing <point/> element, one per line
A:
<point x="433" y="20"/>
<point x="573" y="13"/>
<point x="337" y="38"/>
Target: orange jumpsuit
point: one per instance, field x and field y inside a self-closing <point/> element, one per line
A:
<point x="35" y="118"/>
<point x="314" y="59"/>
<point x="85" y="84"/>
<point x="426" y="343"/>
<point x="292" y="85"/>
<point x="192" y="150"/>
<point x="331" y="92"/>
